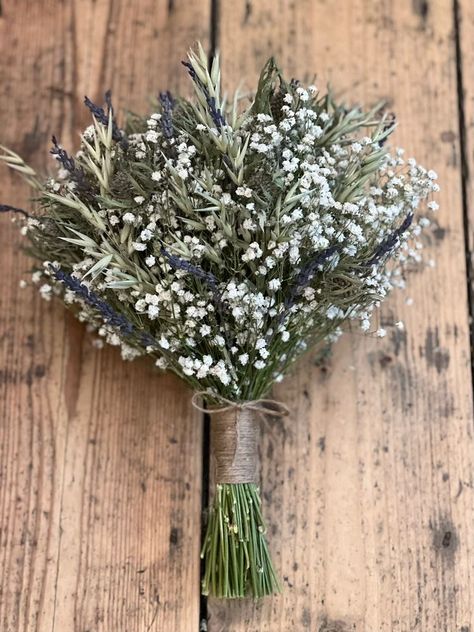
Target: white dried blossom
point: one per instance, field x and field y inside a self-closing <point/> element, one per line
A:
<point x="128" y="218"/>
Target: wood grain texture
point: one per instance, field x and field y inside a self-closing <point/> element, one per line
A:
<point x="100" y="460"/>
<point x="465" y="38"/>
<point x="369" y="489"/>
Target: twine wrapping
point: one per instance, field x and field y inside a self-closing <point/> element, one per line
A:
<point x="234" y="436"/>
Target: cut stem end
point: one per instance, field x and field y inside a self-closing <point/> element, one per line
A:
<point x="237" y="560"/>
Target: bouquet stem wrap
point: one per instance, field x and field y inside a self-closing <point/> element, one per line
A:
<point x="235" y="551"/>
<point x="234" y="437"/>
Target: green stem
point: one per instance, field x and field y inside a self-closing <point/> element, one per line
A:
<point x="237" y="560"/>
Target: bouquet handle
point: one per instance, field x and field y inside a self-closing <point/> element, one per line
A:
<point x="235" y="551"/>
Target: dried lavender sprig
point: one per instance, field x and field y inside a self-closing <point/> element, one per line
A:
<point x="67" y="162"/>
<point x="147" y="340"/>
<point x="102" y="117"/>
<point x="306" y="274"/>
<point x="214" y="111"/>
<point x="181" y="264"/>
<point x="6" y="208"/>
<point x="106" y="311"/>
<point x="388" y="244"/>
<point x="62" y="156"/>
<point x="97" y="112"/>
<point x="167" y="103"/>
<point x="216" y="114"/>
<point x="192" y="73"/>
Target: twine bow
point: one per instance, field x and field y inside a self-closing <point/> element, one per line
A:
<point x="260" y="406"/>
<point x="234" y="435"/>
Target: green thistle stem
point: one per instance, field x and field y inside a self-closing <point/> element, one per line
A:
<point x="237" y="560"/>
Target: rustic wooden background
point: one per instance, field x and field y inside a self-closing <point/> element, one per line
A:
<point x="369" y="488"/>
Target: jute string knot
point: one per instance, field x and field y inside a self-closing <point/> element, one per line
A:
<point x="234" y="435"/>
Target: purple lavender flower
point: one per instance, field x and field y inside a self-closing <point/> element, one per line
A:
<point x="181" y="264"/>
<point x="192" y="72"/>
<point x="67" y="162"/>
<point x="216" y="114"/>
<point x="388" y="244"/>
<point x="306" y="274"/>
<point x="214" y="111"/>
<point x="102" y="117"/>
<point x="167" y="103"/>
<point x="107" y="312"/>
<point x="146" y="340"/>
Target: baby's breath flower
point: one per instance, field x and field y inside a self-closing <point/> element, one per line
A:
<point x="46" y="291"/>
<point x="163" y="342"/>
<point x="152" y="136"/>
<point x="139" y="246"/>
<point x="128" y="218"/>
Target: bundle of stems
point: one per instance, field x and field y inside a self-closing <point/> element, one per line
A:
<point x="235" y="549"/>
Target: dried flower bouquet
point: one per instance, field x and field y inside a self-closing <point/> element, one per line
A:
<point x="223" y="240"/>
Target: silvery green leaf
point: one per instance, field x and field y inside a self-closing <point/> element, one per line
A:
<point x="77" y="242"/>
<point x="83" y="240"/>
<point x="99" y="267"/>
<point x="193" y="223"/>
<point x="125" y="233"/>
<point x="94" y="152"/>
<point x="242" y="152"/>
<point x="121" y="285"/>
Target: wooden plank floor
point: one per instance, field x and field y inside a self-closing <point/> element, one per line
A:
<point x="369" y="488"/>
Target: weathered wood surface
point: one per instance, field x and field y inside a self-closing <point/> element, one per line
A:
<point x="369" y="492"/>
<point x="100" y="460"/>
